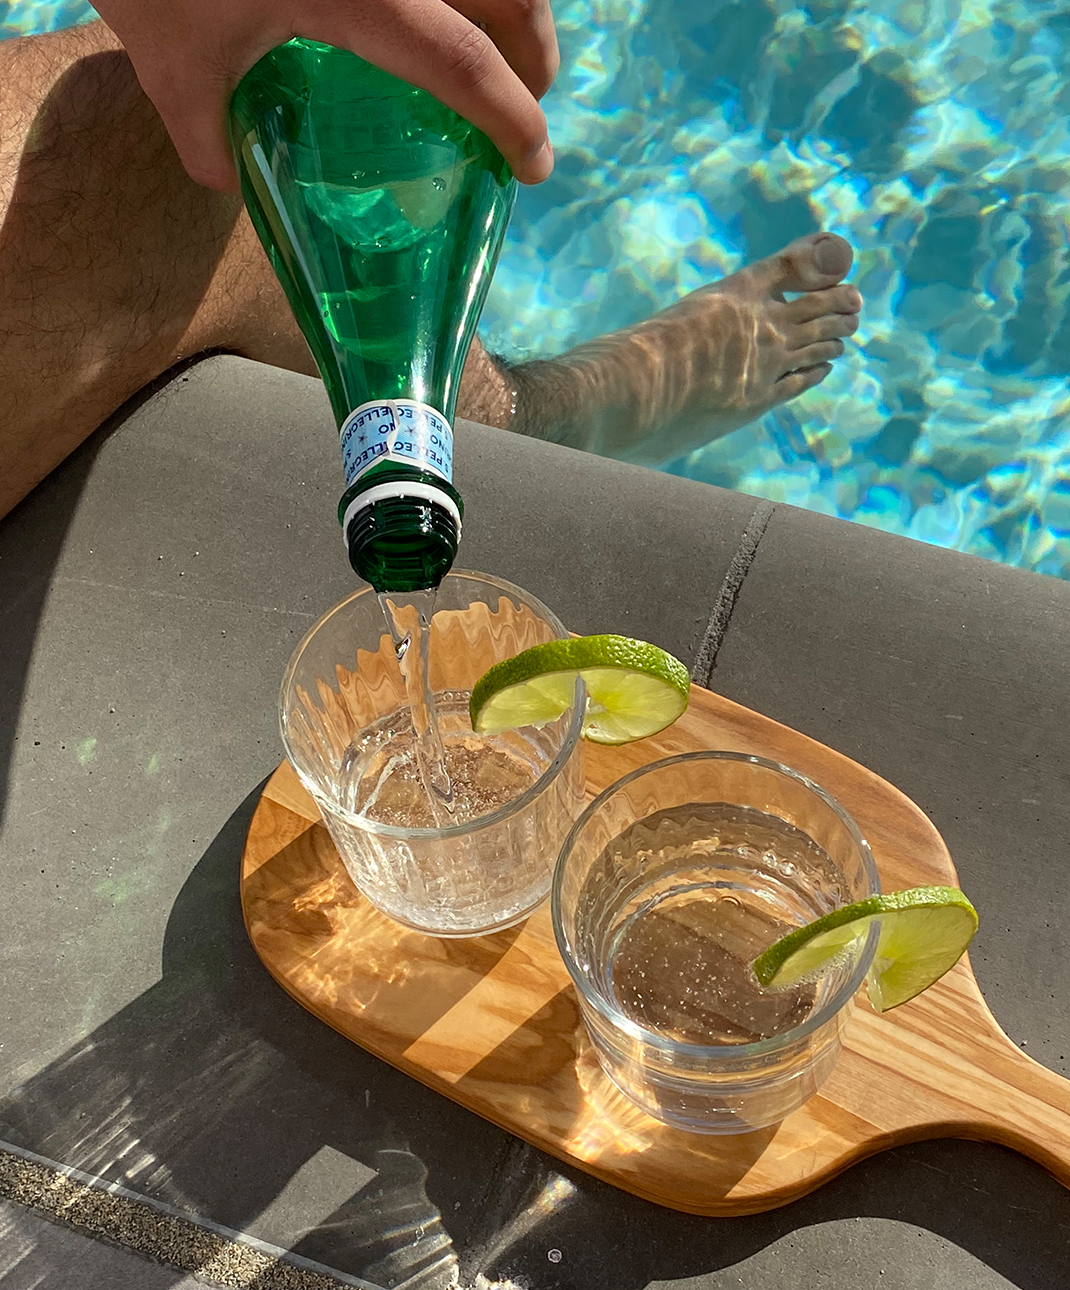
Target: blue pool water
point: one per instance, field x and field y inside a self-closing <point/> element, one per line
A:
<point x="694" y="135"/>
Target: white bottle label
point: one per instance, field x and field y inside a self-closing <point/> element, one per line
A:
<point x="400" y="430"/>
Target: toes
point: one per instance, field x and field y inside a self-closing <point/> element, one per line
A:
<point x="795" y="383"/>
<point x="830" y="254"/>
<point x="808" y="264"/>
<point x="830" y="327"/>
<point x="843" y="299"/>
<point x="821" y="352"/>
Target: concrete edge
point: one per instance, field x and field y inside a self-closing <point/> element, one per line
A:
<point x="108" y="1212"/>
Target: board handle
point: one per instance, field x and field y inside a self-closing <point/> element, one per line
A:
<point x="1022" y="1105"/>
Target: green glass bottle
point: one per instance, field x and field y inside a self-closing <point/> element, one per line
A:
<point x="382" y="212"/>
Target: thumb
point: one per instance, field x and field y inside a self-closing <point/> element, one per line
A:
<point x="193" y="105"/>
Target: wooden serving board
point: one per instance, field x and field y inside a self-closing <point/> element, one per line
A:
<point x="492" y="1022"/>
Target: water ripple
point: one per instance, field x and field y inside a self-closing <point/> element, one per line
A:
<point x="934" y="136"/>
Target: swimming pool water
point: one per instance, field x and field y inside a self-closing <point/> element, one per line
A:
<point x="694" y="135"/>
<point x="24" y="17"/>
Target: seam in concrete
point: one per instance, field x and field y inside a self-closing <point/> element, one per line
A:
<point x="107" y="1211"/>
<point x="738" y="568"/>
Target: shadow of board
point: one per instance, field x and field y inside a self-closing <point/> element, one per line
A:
<point x="213" y="1088"/>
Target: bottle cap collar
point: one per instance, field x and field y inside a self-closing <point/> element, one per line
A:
<point x="399" y="488"/>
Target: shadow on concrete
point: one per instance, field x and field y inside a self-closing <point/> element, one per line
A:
<point x="39" y="525"/>
<point x="213" y="1089"/>
<point x="81" y="182"/>
<point x="995" y="1205"/>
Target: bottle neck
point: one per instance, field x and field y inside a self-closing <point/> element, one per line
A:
<point x="401" y="527"/>
<point x="354" y="500"/>
<point x="400" y="514"/>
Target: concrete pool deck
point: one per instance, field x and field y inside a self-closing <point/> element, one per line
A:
<point x="151" y="592"/>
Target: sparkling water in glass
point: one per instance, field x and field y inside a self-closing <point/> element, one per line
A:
<point x="668" y="887"/>
<point x="347" y="727"/>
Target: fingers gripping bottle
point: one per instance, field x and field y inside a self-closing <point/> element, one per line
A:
<point x="382" y="212"/>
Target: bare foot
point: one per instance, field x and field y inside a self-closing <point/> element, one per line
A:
<point x="720" y="358"/>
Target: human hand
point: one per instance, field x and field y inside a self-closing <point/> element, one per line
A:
<point x="190" y="54"/>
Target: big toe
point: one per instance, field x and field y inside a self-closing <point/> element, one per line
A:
<point x="810" y="263"/>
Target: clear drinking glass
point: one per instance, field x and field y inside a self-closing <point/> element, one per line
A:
<point x="344" y="714"/>
<point x="668" y="886"/>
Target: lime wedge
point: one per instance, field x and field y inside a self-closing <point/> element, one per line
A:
<point x="924" y="933"/>
<point x="634" y="689"/>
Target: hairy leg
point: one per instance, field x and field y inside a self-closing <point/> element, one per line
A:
<point x="114" y="265"/>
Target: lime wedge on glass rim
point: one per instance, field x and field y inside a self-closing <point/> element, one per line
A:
<point x="924" y="932"/>
<point x="634" y="689"/>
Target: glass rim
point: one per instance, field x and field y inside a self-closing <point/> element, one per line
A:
<point x="723" y="1052"/>
<point x="366" y="823"/>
